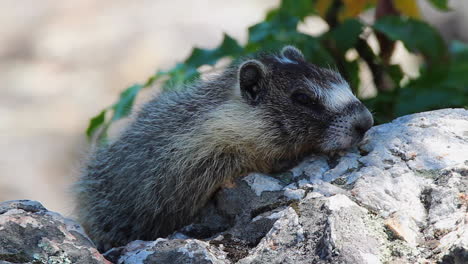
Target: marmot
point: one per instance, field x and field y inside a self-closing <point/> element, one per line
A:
<point x="184" y="144"/>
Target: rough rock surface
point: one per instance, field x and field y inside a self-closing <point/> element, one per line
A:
<point x="399" y="197"/>
<point x="31" y="234"/>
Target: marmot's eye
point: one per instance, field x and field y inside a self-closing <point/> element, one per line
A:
<point x="303" y="99"/>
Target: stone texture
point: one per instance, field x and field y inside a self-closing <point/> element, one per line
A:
<point x="261" y="183"/>
<point x="399" y="197"/>
<point x="31" y="234"/>
<point x="189" y="251"/>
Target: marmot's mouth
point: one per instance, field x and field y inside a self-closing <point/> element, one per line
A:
<point x="342" y="137"/>
<point x="340" y="144"/>
<point x="347" y="131"/>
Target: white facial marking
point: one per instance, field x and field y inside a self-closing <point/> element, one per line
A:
<point x="334" y="97"/>
<point x="284" y="60"/>
<point x="339" y="95"/>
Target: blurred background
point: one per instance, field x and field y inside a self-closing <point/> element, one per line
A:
<point x="62" y="62"/>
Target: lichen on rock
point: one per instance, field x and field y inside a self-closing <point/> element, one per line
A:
<point x="399" y="197"/>
<point x="31" y="234"/>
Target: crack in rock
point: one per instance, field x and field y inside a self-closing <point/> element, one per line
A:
<point x="401" y="196"/>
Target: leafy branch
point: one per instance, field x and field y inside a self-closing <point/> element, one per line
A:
<point x="395" y="20"/>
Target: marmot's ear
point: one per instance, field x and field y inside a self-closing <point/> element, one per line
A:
<point x="292" y="53"/>
<point x="251" y="74"/>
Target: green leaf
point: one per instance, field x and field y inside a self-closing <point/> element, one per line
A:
<point x="443" y="86"/>
<point x="179" y="75"/>
<point x="352" y="74"/>
<point x="95" y="123"/>
<point x="297" y="8"/>
<point x="459" y="51"/>
<point x="157" y="76"/>
<point x="294" y="8"/>
<point x="396" y="73"/>
<point x="413" y="101"/>
<point x="277" y="29"/>
<point x="416" y="35"/>
<point x="280" y="26"/>
<point x="313" y="50"/>
<point x="440" y="4"/>
<point x="229" y="47"/>
<point x="382" y="106"/>
<point x="281" y="31"/>
<point x="123" y="107"/>
<point x="346" y="35"/>
<point x="187" y="72"/>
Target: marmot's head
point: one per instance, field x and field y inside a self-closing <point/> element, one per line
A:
<point x="303" y="103"/>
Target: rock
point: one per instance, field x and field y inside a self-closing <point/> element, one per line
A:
<point x="31" y="234"/>
<point x="189" y="251"/>
<point x="261" y="183"/>
<point x="314" y="167"/>
<point x="328" y="189"/>
<point x="350" y="236"/>
<point x="399" y="197"/>
<point x="346" y="163"/>
<point x="403" y="228"/>
<point x="294" y="194"/>
<point x="320" y="229"/>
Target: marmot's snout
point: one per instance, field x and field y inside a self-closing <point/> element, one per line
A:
<point x="348" y="128"/>
<point x="362" y="123"/>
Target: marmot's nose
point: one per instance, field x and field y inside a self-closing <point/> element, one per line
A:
<point x="363" y="123"/>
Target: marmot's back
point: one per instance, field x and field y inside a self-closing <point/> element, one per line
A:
<point x="182" y="146"/>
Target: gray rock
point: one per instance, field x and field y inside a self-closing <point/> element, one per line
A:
<point x="188" y="251"/>
<point x="321" y="230"/>
<point x="261" y="183"/>
<point x="403" y="198"/>
<point x="349" y="233"/>
<point x="294" y="194"/>
<point x="313" y="168"/>
<point x="399" y="197"/>
<point x="31" y="234"/>
<point x="328" y="189"/>
<point x="346" y="163"/>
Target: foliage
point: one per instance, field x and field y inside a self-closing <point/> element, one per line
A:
<point x="442" y="82"/>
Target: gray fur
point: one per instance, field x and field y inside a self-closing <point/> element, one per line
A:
<point x="184" y="145"/>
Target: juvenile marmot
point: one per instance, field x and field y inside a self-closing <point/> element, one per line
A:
<point x="183" y="145"/>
